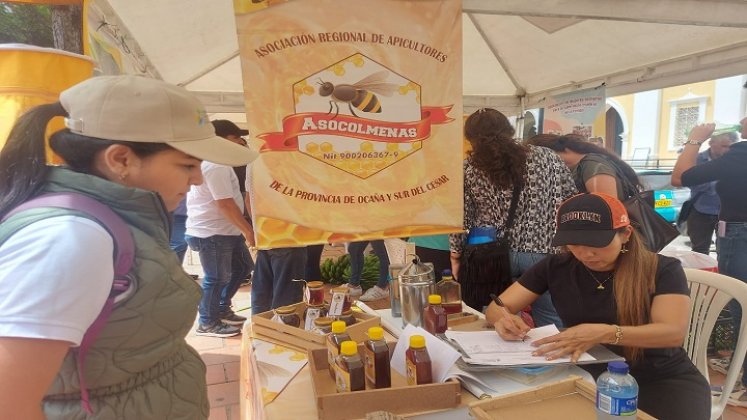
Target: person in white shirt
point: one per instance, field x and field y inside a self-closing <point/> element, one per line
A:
<point x="217" y="230"/>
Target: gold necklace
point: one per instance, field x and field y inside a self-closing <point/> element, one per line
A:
<point x="600" y="284"/>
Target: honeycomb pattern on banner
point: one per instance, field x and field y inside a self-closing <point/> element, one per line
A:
<point x="393" y="98"/>
<point x="274" y="233"/>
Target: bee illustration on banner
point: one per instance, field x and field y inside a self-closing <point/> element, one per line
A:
<point x="361" y="95"/>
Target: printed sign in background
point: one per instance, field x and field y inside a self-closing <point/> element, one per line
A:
<point x="357" y="113"/>
<point x="575" y="112"/>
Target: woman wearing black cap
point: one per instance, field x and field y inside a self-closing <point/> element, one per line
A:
<point x="609" y="289"/>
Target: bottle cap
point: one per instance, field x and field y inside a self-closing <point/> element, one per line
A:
<point x="338" y="327"/>
<point x="348" y="348"/>
<point x="375" y="333"/>
<point x="618" y="367"/>
<point x="417" y="341"/>
<point x="434" y="299"/>
<point x="446" y="273"/>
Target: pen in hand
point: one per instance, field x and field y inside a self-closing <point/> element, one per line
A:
<point x="500" y="304"/>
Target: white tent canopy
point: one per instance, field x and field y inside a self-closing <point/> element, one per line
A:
<point x="516" y="52"/>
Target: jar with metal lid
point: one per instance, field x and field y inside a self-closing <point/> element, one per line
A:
<point x="322" y="325"/>
<point x="313" y="312"/>
<point x="287" y="315"/>
<point x="341" y="293"/>
<point x="347" y="317"/>
<point x="314" y="293"/>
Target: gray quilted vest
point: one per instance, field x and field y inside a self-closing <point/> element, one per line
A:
<point x="140" y="366"/>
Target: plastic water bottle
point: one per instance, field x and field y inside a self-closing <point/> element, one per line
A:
<point x="617" y="393"/>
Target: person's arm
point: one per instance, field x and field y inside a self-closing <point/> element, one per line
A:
<point x="602" y="183"/>
<point x="689" y="156"/>
<point x="29" y="366"/>
<point x="508" y="325"/>
<point x="668" y="326"/>
<point x="233" y="214"/>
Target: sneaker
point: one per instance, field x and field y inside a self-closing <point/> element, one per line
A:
<point x="738" y="398"/>
<point x="374" y="293"/>
<point x="231" y="318"/>
<point x="218" y="330"/>
<point x="354" y="290"/>
<point x="720" y="365"/>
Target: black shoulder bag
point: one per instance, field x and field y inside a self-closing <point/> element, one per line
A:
<point x="486" y="268"/>
<point x="654" y="230"/>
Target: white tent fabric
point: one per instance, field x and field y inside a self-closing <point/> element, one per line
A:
<point x="516" y="52"/>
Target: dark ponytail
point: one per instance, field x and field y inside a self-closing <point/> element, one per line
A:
<point x="23" y="166"/>
<point x="577" y="144"/>
<point x="494" y="149"/>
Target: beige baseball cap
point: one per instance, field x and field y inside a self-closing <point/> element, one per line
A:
<point x="140" y="109"/>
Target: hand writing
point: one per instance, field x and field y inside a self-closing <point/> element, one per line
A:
<point x="511" y="327"/>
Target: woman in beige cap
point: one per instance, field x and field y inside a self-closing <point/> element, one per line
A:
<point x="134" y="145"/>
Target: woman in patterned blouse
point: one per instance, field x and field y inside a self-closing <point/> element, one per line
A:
<point x="496" y="163"/>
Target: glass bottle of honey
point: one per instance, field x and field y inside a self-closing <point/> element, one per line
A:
<point x="376" y="359"/>
<point x="418" y="362"/>
<point x="350" y="372"/>
<point x="451" y="293"/>
<point x="434" y="316"/>
<point x="334" y="340"/>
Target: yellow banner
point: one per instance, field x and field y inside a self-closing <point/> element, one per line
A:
<point x="33" y="76"/>
<point x="357" y="111"/>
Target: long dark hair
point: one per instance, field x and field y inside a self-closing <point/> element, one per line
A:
<point x="23" y="168"/>
<point x="577" y="144"/>
<point x="494" y="149"/>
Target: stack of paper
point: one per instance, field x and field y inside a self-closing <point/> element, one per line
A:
<point x="488" y="348"/>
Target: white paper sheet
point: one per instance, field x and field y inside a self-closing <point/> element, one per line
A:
<point x="443" y="356"/>
<point x="488" y="348"/>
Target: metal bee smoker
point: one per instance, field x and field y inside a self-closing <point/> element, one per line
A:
<point x="416" y="281"/>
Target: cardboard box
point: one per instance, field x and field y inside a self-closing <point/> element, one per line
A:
<point x="569" y="399"/>
<point x="263" y="326"/>
<point x="399" y="399"/>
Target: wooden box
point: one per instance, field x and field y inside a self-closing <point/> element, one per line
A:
<point x="264" y="326"/>
<point x="399" y="399"/>
<point x="569" y="399"/>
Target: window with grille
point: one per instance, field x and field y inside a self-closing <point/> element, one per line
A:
<point x="686" y="119"/>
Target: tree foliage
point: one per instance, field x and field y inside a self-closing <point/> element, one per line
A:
<point x="26" y="24"/>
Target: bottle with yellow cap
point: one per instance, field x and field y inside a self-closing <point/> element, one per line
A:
<point x="376" y="359"/>
<point x="434" y="316"/>
<point x="349" y="375"/>
<point x="334" y="340"/>
<point x="418" y="362"/>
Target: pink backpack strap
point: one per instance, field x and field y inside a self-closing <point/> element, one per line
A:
<point x="124" y="255"/>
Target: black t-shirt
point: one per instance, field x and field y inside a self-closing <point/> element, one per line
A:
<point x="730" y="170"/>
<point x="577" y="299"/>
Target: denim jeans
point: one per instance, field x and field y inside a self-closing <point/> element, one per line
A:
<point x="177" y="241"/>
<point x="224" y="260"/>
<point x="272" y="284"/>
<point x="355" y="249"/>
<point x="732" y="262"/>
<point x="543" y="311"/>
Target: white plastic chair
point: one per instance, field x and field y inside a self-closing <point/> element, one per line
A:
<point x="709" y="293"/>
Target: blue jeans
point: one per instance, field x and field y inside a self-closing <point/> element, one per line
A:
<point x="355" y="249"/>
<point x="223" y="259"/>
<point x="543" y="311"/>
<point x="272" y="284"/>
<point x="177" y="242"/>
<point x="732" y="262"/>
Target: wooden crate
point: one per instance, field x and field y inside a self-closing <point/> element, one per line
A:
<point x="399" y="399"/>
<point x="263" y="326"/>
<point x="569" y="399"/>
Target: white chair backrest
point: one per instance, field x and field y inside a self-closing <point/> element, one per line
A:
<point x="709" y="294"/>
